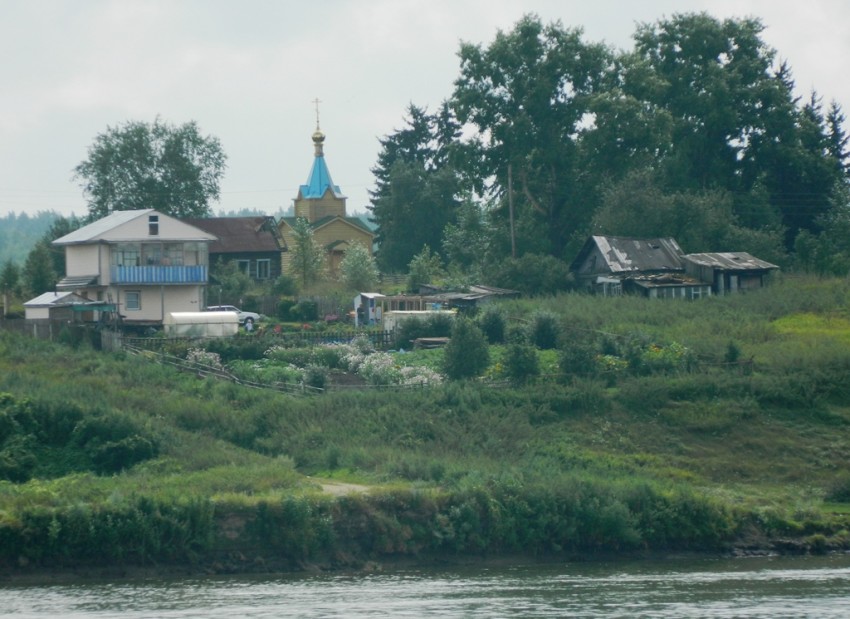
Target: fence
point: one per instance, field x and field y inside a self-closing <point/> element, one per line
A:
<point x="220" y="373"/>
<point x="54" y="330"/>
<point x="381" y="340"/>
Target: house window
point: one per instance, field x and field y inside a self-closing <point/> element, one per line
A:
<point x="132" y="300"/>
<point x="172" y="254"/>
<point x="194" y="253"/>
<point x="152" y="253"/>
<point x="126" y="255"/>
<point x="153" y="225"/>
<point x="244" y="266"/>
<point x="264" y="269"/>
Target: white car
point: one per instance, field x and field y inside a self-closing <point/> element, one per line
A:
<point x="244" y="317"/>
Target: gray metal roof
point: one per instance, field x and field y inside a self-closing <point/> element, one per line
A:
<point x="627" y="255"/>
<point x="47" y="299"/>
<point x="171" y="229"/>
<point x="95" y="229"/>
<point x="730" y="261"/>
<point x="76" y="281"/>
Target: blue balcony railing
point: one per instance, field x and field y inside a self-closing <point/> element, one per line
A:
<point x="157" y="274"/>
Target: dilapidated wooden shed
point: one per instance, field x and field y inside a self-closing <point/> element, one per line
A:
<point x="728" y="271"/>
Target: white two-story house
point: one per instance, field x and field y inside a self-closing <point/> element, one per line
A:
<point x="144" y="264"/>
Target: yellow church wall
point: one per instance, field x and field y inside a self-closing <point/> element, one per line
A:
<point x="327" y="206"/>
<point x="333" y="232"/>
<point x="341" y="231"/>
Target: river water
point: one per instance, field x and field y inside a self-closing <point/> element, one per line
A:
<point x="753" y="587"/>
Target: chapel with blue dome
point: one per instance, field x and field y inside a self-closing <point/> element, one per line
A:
<point x="321" y="202"/>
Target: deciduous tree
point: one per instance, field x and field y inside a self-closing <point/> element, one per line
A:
<point x="228" y="283"/>
<point x="527" y="95"/>
<point x="424" y="267"/>
<point x="173" y="169"/>
<point x="308" y="258"/>
<point x="358" y="270"/>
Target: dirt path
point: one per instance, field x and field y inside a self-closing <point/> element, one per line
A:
<point x="339" y="488"/>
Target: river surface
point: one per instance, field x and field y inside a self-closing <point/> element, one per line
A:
<point x="752" y="587"/>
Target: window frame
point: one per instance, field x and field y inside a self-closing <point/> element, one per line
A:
<point x="135" y="307"/>
<point x="264" y="268"/>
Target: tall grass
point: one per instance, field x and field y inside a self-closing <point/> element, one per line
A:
<point x="674" y="457"/>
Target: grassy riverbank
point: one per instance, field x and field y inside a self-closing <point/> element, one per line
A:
<point x="730" y="429"/>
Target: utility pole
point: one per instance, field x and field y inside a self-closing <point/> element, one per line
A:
<point x="511" y="208"/>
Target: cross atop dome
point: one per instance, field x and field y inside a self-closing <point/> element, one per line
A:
<point x="318" y="136"/>
<point x="316" y="102"/>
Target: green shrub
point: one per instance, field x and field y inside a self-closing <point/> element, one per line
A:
<point x="440" y="325"/>
<point x="103" y="426"/>
<point x="265" y="372"/>
<point x="544" y="330"/>
<point x="520" y="363"/>
<point x="284" y="309"/>
<point x="304" y="311"/>
<point x="17" y="460"/>
<point x="492" y="324"/>
<point x="316" y="376"/>
<point x="232" y="348"/>
<point x="116" y="456"/>
<point x="644" y="395"/>
<point x="517" y="334"/>
<point x="838" y="490"/>
<point x="533" y="274"/>
<point x="139" y="532"/>
<point x="436" y="325"/>
<point x="295" y="528"/>
<point x="733" y="353"/>
<point x="467" y="354"/>
<point x="577" y="358"/>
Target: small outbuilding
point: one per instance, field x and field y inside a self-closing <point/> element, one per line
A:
<point x="604" y="259"/>
<point x="728" y="271"/>
<point x="657" y="268"/>
<point x="53" y="306"/>
<point x="367" y="309"/>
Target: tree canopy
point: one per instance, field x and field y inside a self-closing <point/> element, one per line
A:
<point x="137" y="165"/>
<point x="417" y="187"/>
<point x="696" y="132"/>
<point x="358" y="270"/>
<point x="308" y="258"/>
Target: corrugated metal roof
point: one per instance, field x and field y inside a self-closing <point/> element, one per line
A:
<point x="55" y="298"/>
<point x="95" y="229"/>
<point x="730" y="261"/>
<point x="171" y="229"/>
<point x="625" y="255"/>
<point x="76" y="281"/>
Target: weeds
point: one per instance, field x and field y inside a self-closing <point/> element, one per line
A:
<point x="661" y="437"/>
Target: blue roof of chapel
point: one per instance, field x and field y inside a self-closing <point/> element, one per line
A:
<point x="319" y="181"/>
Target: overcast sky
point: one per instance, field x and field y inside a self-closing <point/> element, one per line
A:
<point x="247" y="72"/>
